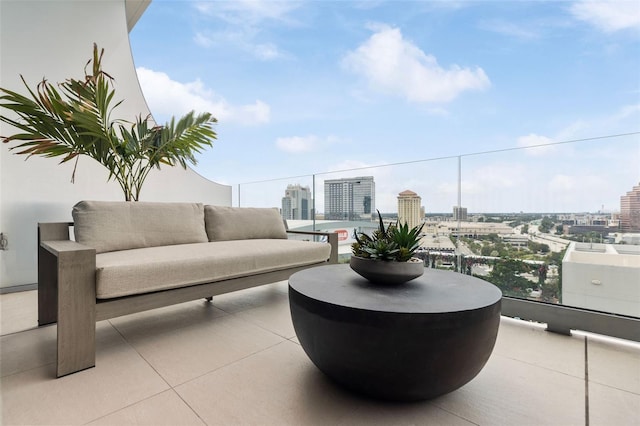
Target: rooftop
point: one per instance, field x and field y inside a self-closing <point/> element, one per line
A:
<point x="237" y="361"/>
<point x="604" y="254"/>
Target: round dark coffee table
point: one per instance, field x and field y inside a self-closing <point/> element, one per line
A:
<point x="406" y="342"/>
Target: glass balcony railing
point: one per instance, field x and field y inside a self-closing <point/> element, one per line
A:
<point x="542" y="223"/>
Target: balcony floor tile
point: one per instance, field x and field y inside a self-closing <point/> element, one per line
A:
<point x="530" y="343"/>
<point x="189" y="349"/>
<point x="512" y="392"/>
<point x="166" y="408"/>
<point x="610" y="406"/>
<point x="614" y="365"/>
<point x="35" y="396"/>
<point x="294" y="392"/>
<point x="237" y="361"/>
<point x="18" y="311"/>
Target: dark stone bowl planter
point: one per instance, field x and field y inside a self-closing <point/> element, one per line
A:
<point x="387" y="272"/>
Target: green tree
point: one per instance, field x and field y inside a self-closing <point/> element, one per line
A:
<point x="493" y="237"/>
<point x="506" y="276"/>
<point x="546" y="224"/>
<point x="555" y="258"/>
<point x="551" y="290"/>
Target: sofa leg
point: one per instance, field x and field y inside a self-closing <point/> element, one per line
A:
<point x="76" y="311"/>
<point x="208" y="299"/>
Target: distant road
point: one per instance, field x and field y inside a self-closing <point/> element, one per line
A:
<point x="555" y="244"/>
<point x="464" y="249"/>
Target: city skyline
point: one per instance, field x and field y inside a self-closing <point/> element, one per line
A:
<point x="629" y="199"/>
<point x="304" y="88"/>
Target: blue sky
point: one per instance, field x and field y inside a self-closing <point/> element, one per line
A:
<point x="304" y="87"/>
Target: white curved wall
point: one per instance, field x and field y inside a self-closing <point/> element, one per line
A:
<point x="54" y="39"/>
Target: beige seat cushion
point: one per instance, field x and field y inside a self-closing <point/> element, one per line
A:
<point x="120" y="225"/>
<point x="242" y="223"/>
<point x="126" y="272"/>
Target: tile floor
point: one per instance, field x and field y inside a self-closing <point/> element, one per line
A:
<point x="237" y="361"/>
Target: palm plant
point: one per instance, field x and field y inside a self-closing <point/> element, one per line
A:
<point x="76" y="120"/>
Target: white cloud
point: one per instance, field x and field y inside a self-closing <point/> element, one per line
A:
<point x="167" y="97"/>
<point x="354" y="168"/>
<point x="608" y="16"/>
<point x="563" y="183"/>
<point x="511" y="29"/>
<point x="627" y="111"/>
<point x="580" y="189"/>
<point x="245" y="20"/>
<point x="538" y="145"/>
<point x="249" y="12"/>
<point x="573" y="131"/>
<point x="267" y="51"/>
<point x="203" y="40"/>
<point x="495" y="177"/>
<point x="240" y="40"/>
<point x="397" y="66"/>
<point x="297" y="144"/>
<point x="624" y="120"/>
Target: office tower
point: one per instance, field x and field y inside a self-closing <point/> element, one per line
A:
<point x="350" y="198"/>
<point x="296" y="203"/>
<point x="459" y="213"/>
<point x="630" y="210"/>
<point x="409" y="208"/>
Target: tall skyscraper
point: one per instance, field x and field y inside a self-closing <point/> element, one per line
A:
<point x="630" y="210"/>
<point x="350" y="198"/>
<point x="459" y="213"/>
<point x="409" y="208"/>
<point x="296" y="203"/>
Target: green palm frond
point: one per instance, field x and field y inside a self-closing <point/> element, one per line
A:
<point x="74" y="119"/>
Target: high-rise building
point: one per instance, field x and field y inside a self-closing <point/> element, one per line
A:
<point x="630" y="210"/>
<point x="459" y="213"/>
<point x="409" y="209"/>
<point x="296" y="203"/>
<point x="350" y="198"/>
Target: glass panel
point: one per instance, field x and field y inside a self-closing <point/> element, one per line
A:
<point x="541" y="200"/>
<point x="542" y="223"/>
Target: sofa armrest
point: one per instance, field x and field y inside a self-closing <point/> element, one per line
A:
<point x="61" y="262"/>
<point x="332" y="239"/>
<point x="64" y="247"/>
<point x="67" y="273"/>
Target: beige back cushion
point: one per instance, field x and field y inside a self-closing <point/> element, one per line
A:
<point x="243" y="223"/>
<point x="122" y="225"/>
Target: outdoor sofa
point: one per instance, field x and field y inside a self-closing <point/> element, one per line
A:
<point x="133" y="256"/>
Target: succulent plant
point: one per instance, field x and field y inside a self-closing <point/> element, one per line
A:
<point x="397" y="242"/>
